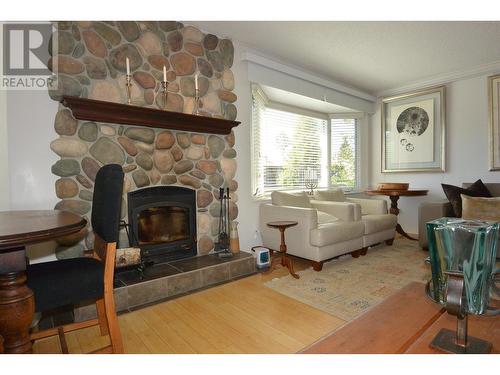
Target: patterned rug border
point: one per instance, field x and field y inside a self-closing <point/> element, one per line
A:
<point x="349" y="287"/>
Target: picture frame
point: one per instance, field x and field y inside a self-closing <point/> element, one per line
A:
<point x="414" y="131"/>
<point x="494" y="121"/>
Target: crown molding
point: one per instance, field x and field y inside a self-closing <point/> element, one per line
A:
<point x="441" y="79"/>
<point x="300" y="73"/>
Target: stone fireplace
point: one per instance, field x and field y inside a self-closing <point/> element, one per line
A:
<point x="91" y="64"/>
<point x="162" y="222"/>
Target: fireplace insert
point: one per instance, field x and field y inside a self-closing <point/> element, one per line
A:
<point x="162" y="223"/>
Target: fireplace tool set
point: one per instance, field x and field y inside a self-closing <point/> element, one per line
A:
<point x="222" y="244"/>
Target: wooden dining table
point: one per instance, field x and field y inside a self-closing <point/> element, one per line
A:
<point x="19" y="229"/>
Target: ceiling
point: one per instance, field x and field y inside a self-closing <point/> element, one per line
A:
<point x="370" y="56"/>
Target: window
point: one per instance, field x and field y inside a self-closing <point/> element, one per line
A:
<point x="291" y="149"/>
<point x="343" y="162"/>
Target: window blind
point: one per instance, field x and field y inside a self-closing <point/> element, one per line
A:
<point x="289" y="149"/>
<point x="344" y="161"/>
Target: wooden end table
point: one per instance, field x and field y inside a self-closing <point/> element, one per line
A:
<point x="284" y="259"/>
<point x="394" y="196"/>
<point x="17" y="305"/>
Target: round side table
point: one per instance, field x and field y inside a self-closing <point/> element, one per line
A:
<point x="394" y="197"/>
<point x="284" y="259"/>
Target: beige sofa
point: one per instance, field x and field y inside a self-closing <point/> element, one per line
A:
<point x="379" y="224"/>
<point x="326" y="229"/>
<point x="429" y="211"/>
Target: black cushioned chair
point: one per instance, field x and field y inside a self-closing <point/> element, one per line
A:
<point x="73" y="281"/>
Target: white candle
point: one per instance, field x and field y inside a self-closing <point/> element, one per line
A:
<point x="164" y="73"/>
<point x="196" y="81"/>
<point x="128" y="66"/>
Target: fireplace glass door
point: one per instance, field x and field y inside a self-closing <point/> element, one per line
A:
<point x="160" y="225"/>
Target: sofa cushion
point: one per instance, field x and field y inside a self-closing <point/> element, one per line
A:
<point x="324" y="218"/>
<point x="480" y="208"/>
<point x="379" y="223"/>
<point x="301" y="199"/>
<point x="477" y="189"/>
<point x="333" y="195"/>
<point x="340" y="231"/>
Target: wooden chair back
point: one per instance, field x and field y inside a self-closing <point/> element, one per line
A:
<point x="106" y="253"/>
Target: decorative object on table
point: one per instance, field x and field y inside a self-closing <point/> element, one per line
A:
<point x="413" y="131"/>
<point x="222" y="244"/>
<point x="128" y="83"/>
<point x="234" y="238"/>
<point x="196" y="109"/>
<point x="310" y="180"/>
<point x="494" y="120"/>
<point x="462" y="254"/>
<point x="164" y="85"/>
<point x="394" y="197"/>
<point x="283" y="258"/>
<point x="262" y="256"/>
<point x="393" y="186"/>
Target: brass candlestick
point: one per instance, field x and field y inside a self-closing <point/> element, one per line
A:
<point x="164" y="85"/>
<point x="128" y="83"/>
<point x="196" y="100"/>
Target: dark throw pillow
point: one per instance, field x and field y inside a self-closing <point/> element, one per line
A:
<point x="477" y="189"/>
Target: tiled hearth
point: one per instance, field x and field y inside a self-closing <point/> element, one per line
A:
<point x="167" y="280"/>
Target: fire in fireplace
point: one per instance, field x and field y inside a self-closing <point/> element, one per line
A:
<point x="162" y="222"/>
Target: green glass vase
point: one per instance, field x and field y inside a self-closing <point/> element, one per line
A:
<point x="468" y="247"/>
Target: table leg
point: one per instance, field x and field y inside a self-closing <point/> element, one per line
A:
<point x="17" y="304"/>
<point x="285" y="260"/>
<point x="394" y="205"/>
<point x="395" y="211"/>
<point x="402" y="232"/>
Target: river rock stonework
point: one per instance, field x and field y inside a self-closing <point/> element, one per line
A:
<point x="91" y="64"/>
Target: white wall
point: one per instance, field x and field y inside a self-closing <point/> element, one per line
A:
<point x="466" y="148"/>
<point x="248" y="208"/>
<point x="30" y="122"/>
<point x="30" y="129"/>
<point x="4" y="159"/>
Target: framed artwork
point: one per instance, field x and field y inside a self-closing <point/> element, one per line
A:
<point x="494" y="103"/>
<point x="413" y="131"/>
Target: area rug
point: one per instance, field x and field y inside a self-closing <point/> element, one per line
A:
<point x="347" y="287"/>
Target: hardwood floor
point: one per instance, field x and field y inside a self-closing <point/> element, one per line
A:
<point x="242" y="316"/>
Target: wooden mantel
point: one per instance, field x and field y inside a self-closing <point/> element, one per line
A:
<point x="115" y="113"/>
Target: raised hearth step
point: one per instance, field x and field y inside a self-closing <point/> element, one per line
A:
<point x="171" y="279"/>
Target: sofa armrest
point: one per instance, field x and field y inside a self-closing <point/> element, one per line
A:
<point x="370" y="206"/>
<point x="344" y="211"/>
<point x="297" y="236"/>
<point x="428" y="211"/>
